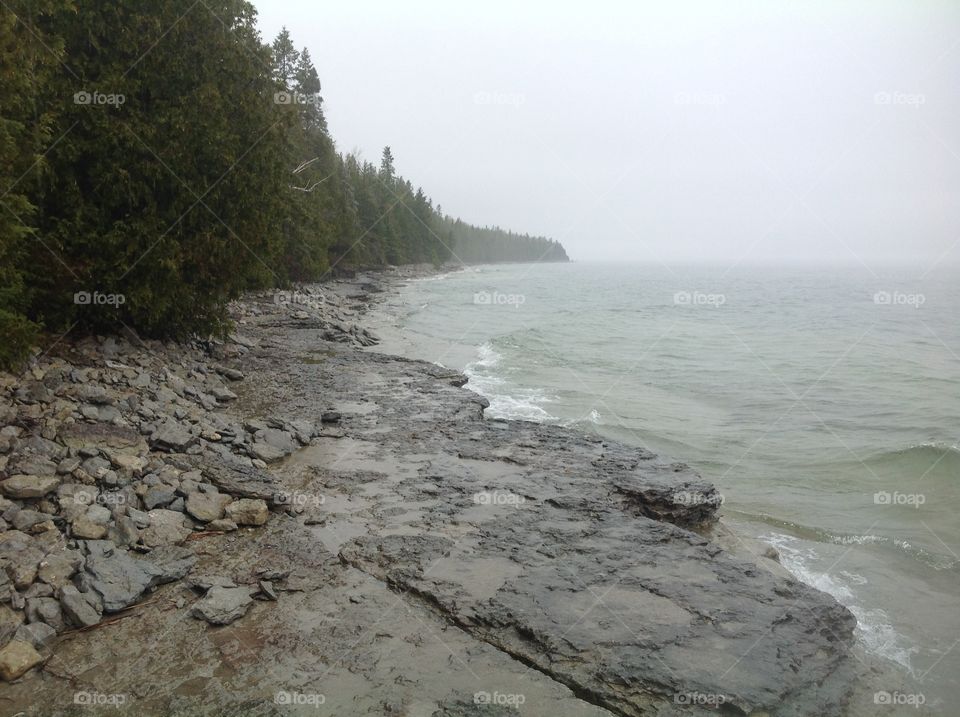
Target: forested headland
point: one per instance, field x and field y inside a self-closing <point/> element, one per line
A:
<point x="159" y="159"/>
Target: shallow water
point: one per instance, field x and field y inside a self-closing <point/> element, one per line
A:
<point x="824" y="404"/>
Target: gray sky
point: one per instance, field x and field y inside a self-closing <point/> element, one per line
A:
<point x="660" y="131"/>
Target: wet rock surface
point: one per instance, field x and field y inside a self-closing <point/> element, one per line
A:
<point x="352" y="536"/>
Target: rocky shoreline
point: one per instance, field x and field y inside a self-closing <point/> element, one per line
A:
<point x="288" y="522"/>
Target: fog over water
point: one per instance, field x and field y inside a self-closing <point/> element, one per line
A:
<point x="736" y="132"/>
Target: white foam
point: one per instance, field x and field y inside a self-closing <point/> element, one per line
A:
<point x="873" y="626"/>
<point x="517" y="403"/>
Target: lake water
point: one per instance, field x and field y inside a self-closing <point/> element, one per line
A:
<point x="823" y="403"/>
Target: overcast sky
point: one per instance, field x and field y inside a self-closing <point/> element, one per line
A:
<point x="660" y="131"/>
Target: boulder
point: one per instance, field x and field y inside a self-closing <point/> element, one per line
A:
<point x="28" y="486"/>
<point x="19" y="558"/>
<point x="248" y="511"/>
<point x="267" y="452"/>
<point x="172" y="436"/>
<point x="57" y="568"/>
<point x="76" y="609"/>
<point x="120" y="579"/>
<point x="207" y="507"/>
<point x="159" y="496"/>
<point x="86" y="529"/>
<point x="16" y="658"/>
<point x="103" y="436"/>
<point x="223" y="605"/>
<point x="45" y="609"/>
<point x="167" y="527"/>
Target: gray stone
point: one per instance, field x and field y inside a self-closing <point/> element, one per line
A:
<point x="248" y="511"/>
<point x="45" y="609"/>
<point x="205" y="582"/>
<point x="266" y="452"/>
<point x="103" y="436"/>
<point x="19" y="558"/>
<point x="120" y="579"/>
<point x="98" y="514"/>
<point x="159" y="496"/>
<point x="57" y="568"/>
<point x="10" y="622"/>
<point x="68" y="465"/>
<point x="86" y="529"/>
<point x="222" y="525"/>
<point x="25" y="519"/>
<point x="172" y="436"/>
<point x="266" y="587"/>
<point x="124" y="531"/>
<point x="32" y="464"/>
<point x="222" y="605"/>
<point x="206" y="507"/>
<point x="26" y="486"/>
<point x="166" y="527"/>
<point x="17" y="658"/>
<point x="38" y="634"/>
<point x="230" y="373"/>
<point x="76" y="609"/>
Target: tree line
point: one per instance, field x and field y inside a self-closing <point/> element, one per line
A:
<point x="159" y="159"/>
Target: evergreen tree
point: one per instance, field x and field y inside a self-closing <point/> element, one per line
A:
<point x="285" y="58"/>
<point x="28" y="56"/>
<point x="172" y="179"/>
<point x="168" y="190"/>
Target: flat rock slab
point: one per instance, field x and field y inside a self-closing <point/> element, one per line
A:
<point x="105" y="436"/>
<point x="223" y="605"/>
<point x="120" y="578"/>
<point x="571" y="553"/>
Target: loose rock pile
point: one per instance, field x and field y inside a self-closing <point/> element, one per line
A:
<point x="113" y="453"/>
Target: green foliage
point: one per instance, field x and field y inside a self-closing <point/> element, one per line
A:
<point x="168" y="190"/>
<point x="27" y="59"/>
<point x="158" y="159"/>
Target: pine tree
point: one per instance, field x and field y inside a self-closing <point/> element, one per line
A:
<point x="285" y="58"/>
<point x="28" y="55"/>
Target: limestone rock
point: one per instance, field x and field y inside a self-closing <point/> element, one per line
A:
<point x="16" y="658"/>
<point x="207" y="507"/>
<point x="248" y="511"/>
<point x="223" y="605"/>
<point x="26" y="486"/>
<point x="76" y="609"/>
